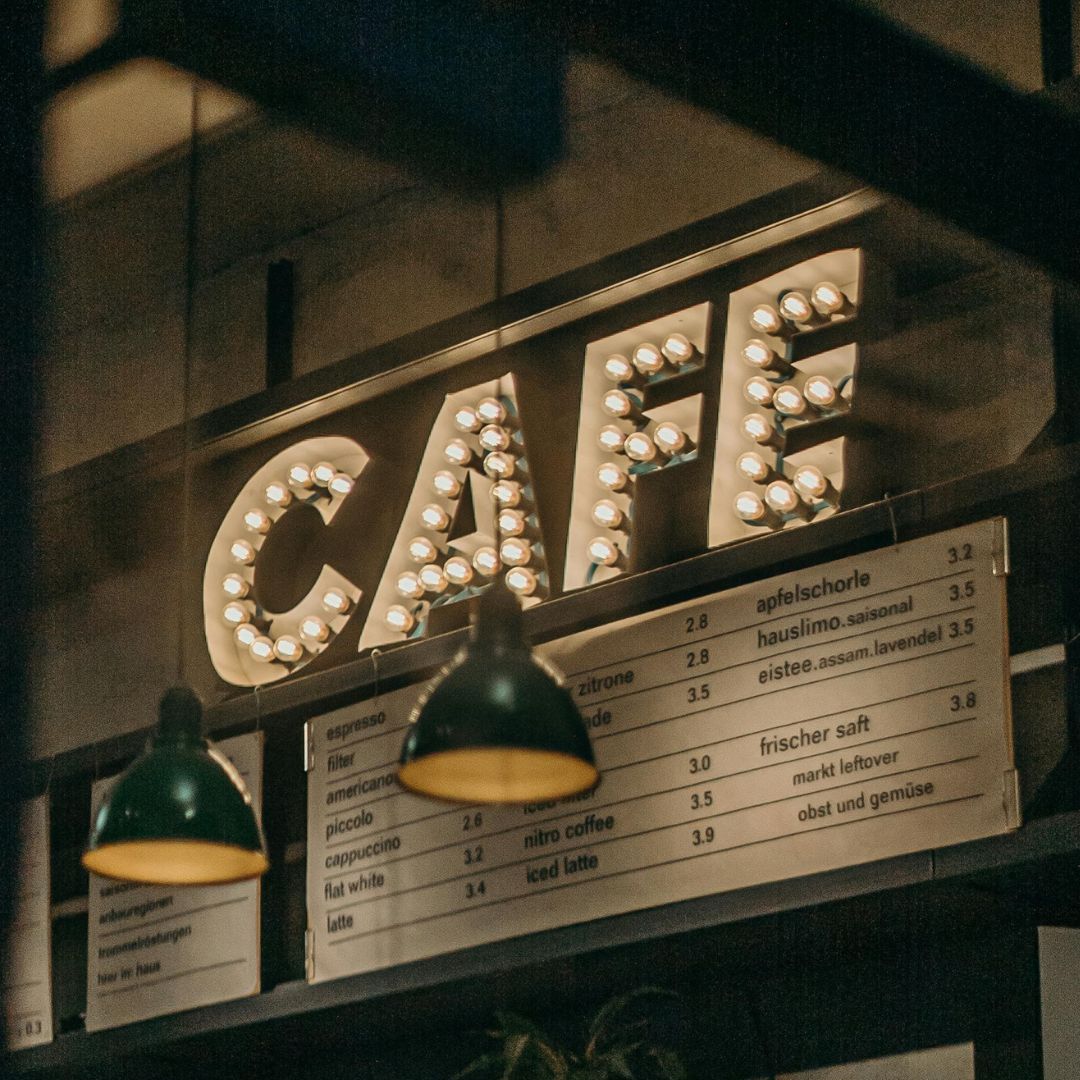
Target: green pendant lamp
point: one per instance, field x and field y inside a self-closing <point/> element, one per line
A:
<point x="496" y="726"/>
<point x="181" y="813"/>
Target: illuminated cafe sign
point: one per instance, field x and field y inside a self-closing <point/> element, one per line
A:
<point x="591" y="452"/>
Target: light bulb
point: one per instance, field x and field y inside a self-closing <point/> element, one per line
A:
<point x="606" y="514"/>
<point x="235" y="586"/>
<point x="242" y="552"/>
<point x="758" y="390"/>
<point x="670" y="438"/>
<point x="486" y="561"/>
<point x="446" y="483"/>
<point x="795" y="306"/>
<point x="399" y="618"/>
<point x="810" y="482"/>
<point x="749" y="506"/>
<point x="422" y="550"/>
<point x="755" y="427"/>
<point x="757" y="354"/>
<point x="491" y="410"/>
<point x="467" y="419"/>
<point x="610" y="476"/>
<point x="245" y="634"/>
<point x="616" y="403"/>
<point x="494" y="437"/>
<point x="499" y="466"/>
<point x="262" y="649"/>
<point x="287" y="648"/>
<point x="300" y="475"/>
<point x="781" y="496"/>
<point x="340" y="484"/>
<point x="753" y="467"/>
<point x="789" y="401"/>
<point x="277" y="494"/>
<point x="432" y="578"/>
<point x="408" y="584"/>
<point x="618" y="369"/>
<point x="256" y="521"/>
<point x="648" y="359"/>
<point x="522" y="581"/>
<point x="507" y="493"/>
<point x="323" y="473"/>
<point x="511" y="522"/>
<point x="828" y="298"/>
<point x="237" y="612"/>
<point x="336" y="602"/>
<point x="457" y="452"/>
<point x="820" y="391"/>
<point x="312" y="628"/>
<point x="458" y="570"/>
<point x="515" y="551"/>
<point x="640" y="447"/>
<point x="435" y="517"/>
<point x="678" y="349"/>
<point x="602" y="551"/>
<point x="611" y="438"/>
<point x="765" y="320"/>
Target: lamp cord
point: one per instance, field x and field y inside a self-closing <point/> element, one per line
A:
<point x="190" y="281"/>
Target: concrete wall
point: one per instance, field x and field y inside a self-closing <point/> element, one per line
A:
<point x="378" y="252"/>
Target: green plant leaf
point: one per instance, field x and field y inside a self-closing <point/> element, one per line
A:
<point x="668" y="1064"/>
<point x="611" y="1009"/>
<point x="515" y="1024"/>
<point x="513" y="1048"/>
<point x="484" y="1061"/>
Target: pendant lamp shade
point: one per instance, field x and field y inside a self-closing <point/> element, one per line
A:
<point x="180" y="814"/>
<point x="496" y="726"/>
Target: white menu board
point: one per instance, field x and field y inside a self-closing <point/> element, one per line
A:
<point x="156" y="949"/>
<point x="27" y="985"/>
<point x="835" y="715"/>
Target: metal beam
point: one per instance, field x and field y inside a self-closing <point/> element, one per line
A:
<point x="847" y="87"/>
<point x="447" y="85"/>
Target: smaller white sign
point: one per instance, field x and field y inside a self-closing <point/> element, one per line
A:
<point x="156" y="949"/>
<point x="27" y="984"/>
<point x="1059" y="986"/>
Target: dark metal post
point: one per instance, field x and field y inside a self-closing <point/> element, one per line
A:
<point x="21" y="74"/>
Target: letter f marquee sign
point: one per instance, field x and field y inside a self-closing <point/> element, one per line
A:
<point x="761" y="386"/>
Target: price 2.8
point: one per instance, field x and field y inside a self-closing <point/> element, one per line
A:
<point x="697" y="658"/>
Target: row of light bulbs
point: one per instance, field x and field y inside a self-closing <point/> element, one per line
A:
<point x="323" y="480"/>
<point x="648" y="360"/>
<point x="665" y="440"/>
<point x="809" y="490"/>
<point x="796" y="310"/>
<point x="488" y="421"/>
